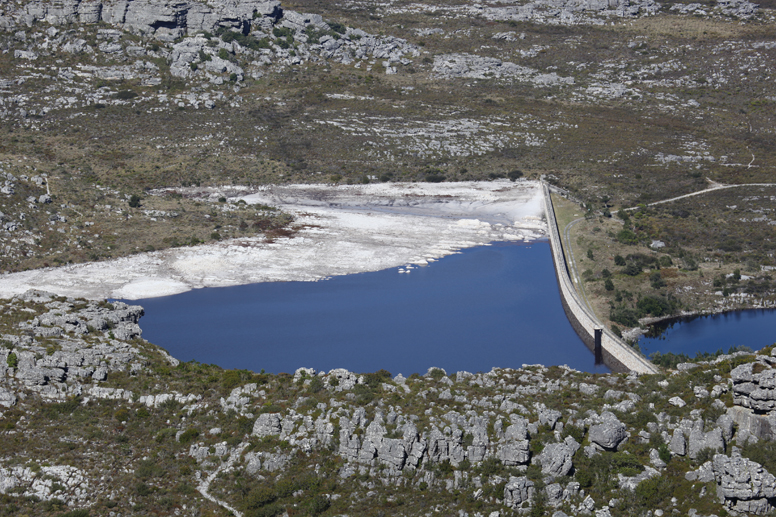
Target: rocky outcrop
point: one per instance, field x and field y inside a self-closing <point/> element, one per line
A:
<point x="85" y="342"/>
<point x="744" y="485"/>
<point x="518" y="490"/>
<point x="61" y="482"/>
<point x="477" y="67"/>
<point x="754" y="387"/>
<point x="160" y="17"/>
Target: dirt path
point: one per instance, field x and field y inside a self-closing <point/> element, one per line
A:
<point x="715" y="186"/>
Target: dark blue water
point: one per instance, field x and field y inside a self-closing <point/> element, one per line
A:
<point x="488" y="306"/>
<point x="752" y="328"/>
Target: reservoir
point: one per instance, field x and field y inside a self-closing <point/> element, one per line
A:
<point x="487" y="306"/>
<point x="754" y="328"/>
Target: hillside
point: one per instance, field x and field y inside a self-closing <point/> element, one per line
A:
<point x="97" y="419"/>
<point x="113" y="112"/>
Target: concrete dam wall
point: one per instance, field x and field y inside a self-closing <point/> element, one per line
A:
<point x="613" y="351"/>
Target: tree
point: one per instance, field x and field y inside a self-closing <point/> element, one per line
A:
<point x="12" y="360"/>
<point x="609" y="285"/>
<point x="134" y="201"/>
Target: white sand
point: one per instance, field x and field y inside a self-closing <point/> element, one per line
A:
<point x="357" y="228"/>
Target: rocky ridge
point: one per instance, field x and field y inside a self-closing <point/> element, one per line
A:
<point x="531" y="437"/>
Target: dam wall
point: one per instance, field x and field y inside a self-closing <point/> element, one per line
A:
<point x="614" y="352"/>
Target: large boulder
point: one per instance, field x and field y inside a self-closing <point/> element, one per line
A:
<point x="514" y="450"/>
<point x="609" y="433"/>
<point x="678" y="444"/>
<point x="555" y="459"/>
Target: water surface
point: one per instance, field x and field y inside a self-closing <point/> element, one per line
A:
<point x="488" y="306"/>
<point x="753" y="328"/>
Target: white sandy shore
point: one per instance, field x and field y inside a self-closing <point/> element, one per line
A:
<point x="353" y="229"/>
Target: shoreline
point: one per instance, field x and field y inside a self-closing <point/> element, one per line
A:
<point x="689" y="316"/>
<point x="344" y="230"/>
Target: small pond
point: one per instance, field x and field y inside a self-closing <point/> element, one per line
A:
<point x="488" y="306"/>
<point x="753" y="328"/>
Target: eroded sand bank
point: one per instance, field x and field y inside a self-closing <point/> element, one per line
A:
<point x="348" y="229"/>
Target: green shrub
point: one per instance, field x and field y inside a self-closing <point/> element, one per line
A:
<point x="188" y="435"/>
<point x="632" y="269"/>
<point x="624" y="316"/>
<point x="619" y="260"/>
<point x="126" y="95"/>
<point x="436" y="373"/>
<point x="705" y="454"/>
<point x="230" y="379"/>
<point x="143" y="490"/>
<point x="761" y="452"/>
<point x="184" y="488"/>
<point x="608" y="284"/>
<point x="654" y="492"/>
<point x="626" y="236"/>
<point x="12" y="360"/>
<point x="337" y="27"/>
<point x="656" y="280"/>
<point x="76" y="513"/>
<point x="258" y="497"/>
<point x="148" y="469"/>
<point x="282" y="32"/>
<point x="664" y="452"/>
<point x="656" y="305"/>
<point x="316" y="385"/>
<point x="576" y="432"/>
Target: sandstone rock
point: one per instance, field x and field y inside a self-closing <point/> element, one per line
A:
<point x="518" y="490"/>
<point x="514" y="449"/>
<point x="704" y="474"/>
<point x="7" y="397"/>
<point x="700" y="440"/>
<point x="743" y="484"/>
<point x="759" y="426"/>
<point x="754" y="390"/>
<point x="654" y="459"/>
<point x="267" y="424"/>
<point x="630" y="483"/>
<point x="555" y="459"/>
<point x="608" y="434"/>
<point x="588" y="389"/>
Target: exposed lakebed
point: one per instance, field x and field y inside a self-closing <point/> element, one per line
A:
<point x="486" y="306"/>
